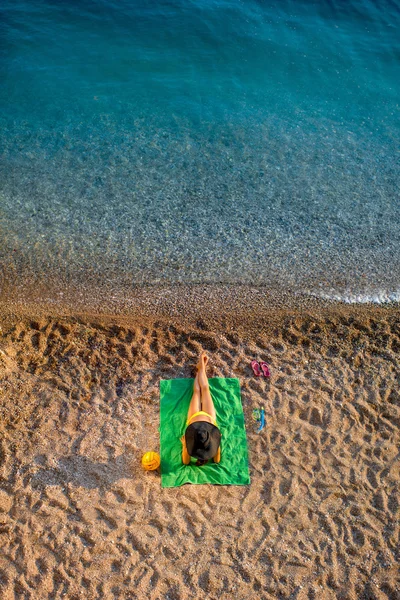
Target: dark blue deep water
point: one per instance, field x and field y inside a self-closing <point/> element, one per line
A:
<point x="255" y="142"/>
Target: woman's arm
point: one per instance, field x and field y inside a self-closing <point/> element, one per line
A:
<point x="185" y="454"/>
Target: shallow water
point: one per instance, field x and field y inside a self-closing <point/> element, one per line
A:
<point x="219" y="142"/>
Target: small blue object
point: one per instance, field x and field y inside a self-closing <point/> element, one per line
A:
<point x="262" y="419"/>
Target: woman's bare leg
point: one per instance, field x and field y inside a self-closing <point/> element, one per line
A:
<point x="195" y="403"/>
<point x="207" y="403"/>
<point x="194" y="407"/>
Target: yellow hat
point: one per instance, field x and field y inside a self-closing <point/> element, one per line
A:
<point x="151" y="461"/>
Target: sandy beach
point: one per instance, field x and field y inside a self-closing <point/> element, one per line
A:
<point x="79" y="402"/>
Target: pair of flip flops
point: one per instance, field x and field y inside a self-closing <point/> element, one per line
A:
<point x="260" y="368"/>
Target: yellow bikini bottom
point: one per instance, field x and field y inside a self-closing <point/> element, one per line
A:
<point x="197" y="414"/>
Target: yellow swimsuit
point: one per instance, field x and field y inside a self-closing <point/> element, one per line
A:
<point x="197" y="414"/>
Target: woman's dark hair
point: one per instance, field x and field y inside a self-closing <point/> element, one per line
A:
<point x="201" y="462"/>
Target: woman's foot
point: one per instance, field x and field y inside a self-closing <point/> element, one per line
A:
<point x="203" y="362"/>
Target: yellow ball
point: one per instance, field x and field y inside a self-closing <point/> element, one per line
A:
<point x="151" y="461"/>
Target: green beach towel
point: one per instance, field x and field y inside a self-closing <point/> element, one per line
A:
<point x="175" y="396"/>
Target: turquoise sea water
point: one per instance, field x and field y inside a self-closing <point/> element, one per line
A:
<point x="216" y="141"/>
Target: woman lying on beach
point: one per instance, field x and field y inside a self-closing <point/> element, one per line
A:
<point x="202" y="437"/>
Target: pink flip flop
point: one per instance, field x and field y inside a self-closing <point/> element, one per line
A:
<point x="256" y="368"/>
<point x="265" y="369"/>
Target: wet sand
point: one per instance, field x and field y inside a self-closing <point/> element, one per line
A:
<point x="79" y="403"/>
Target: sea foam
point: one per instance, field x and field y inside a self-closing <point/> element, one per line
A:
<point x="373" y="297"/>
